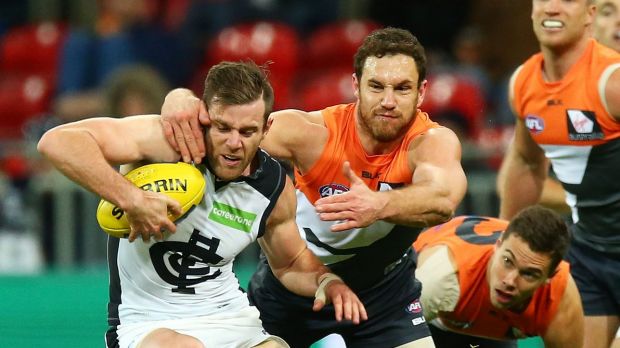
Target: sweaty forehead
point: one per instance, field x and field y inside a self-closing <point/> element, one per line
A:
<point x="390" y="69"/>
<point x="524" y="255"/>
<point x="238" y="116"/>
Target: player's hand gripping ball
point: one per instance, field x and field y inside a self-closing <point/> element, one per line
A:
<point x="180" y="181"/>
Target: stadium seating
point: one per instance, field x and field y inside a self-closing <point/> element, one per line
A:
<point x="334" y="45"/>
<point x="32" y="48"/>
<point x="266" y="43"/>
<point x="21" y="98"/>
<point x="456" y="94"/>
<point x="28" y="70"/>
<point x="329" y="88"/>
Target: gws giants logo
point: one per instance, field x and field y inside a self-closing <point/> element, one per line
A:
<point x="534" y="123"/>
<point x="332" y="189"/>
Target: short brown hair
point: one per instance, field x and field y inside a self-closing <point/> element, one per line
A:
<point x="543" y="230"/>
<point x="391" y="41"/>
<point x="238" y="83"/>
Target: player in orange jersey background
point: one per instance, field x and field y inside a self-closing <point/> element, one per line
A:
<point x="499" y="281"/>
<point x="567" y="102"/>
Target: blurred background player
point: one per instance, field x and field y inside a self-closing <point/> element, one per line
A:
<point x="606" y="30"/>
<point x="606" y="25"/>
<point x="567" y="103"/>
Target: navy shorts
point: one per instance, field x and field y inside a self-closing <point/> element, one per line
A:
<point x="597" y="275"/>
<point x="394" y="311"/>
<point x="449" y="339"/>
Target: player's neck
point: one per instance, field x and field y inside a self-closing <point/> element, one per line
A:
<point x="558" y="61"/>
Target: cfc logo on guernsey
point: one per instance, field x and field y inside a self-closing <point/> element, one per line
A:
<point x="534" y="123"/>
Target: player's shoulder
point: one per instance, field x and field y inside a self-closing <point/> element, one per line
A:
<point x="269" y="169"/>
<point x="435" y="138"/>
<point x="296" y="116"/>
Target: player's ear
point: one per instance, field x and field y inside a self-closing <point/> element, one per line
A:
<point x="268" y="124"/>
<point x="498" y="242"/>
<point x="422" y="92"/>
<point x="356" y="85"/>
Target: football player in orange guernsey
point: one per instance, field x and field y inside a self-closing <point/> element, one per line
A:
<point x="499" y="281"/>
<point x="178" y="289"/>
<point x="606" y="30"/>
<point x="566" y="100"/>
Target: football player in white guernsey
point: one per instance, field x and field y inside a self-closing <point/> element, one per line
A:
<point x="177" y="288"/>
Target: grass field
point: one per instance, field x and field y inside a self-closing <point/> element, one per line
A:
<point x="68" y="309"/>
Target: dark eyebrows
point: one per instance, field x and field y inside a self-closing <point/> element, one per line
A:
<point x="531" y="270"/>
<point x="221" y="123"/>
<point x="218" y="120"/>
<point x="400" y="84"/>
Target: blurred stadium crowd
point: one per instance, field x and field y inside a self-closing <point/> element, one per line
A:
<point x="63" y="60"/>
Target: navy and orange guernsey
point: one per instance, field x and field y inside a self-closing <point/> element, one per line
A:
<point x="571" y="123"/>
<point x="365" y="254"/>
<point x="471" y="241"/>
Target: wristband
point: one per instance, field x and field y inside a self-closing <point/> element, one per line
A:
<point x="323" y="280"/>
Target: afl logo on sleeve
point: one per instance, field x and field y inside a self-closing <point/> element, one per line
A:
<point x="534" y="123"/>
<point x="582" y="125"/>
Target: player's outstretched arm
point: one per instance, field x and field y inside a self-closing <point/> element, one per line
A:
<point x="566" y="330"/>
<point x="85" y="151"/>
<point x="184" y="115"/>
<point x="298" y="269"/>
<point x="524" y="169"/>
<point x="438" y="186"/>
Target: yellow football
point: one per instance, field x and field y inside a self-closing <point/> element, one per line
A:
<point x="180" y="181"/>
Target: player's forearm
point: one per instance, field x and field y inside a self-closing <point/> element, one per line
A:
<point x="178" y="94"/>
<point x="420" y="205"/>
<point x="554" y="197"/>
<point x="302" y="277"/>
<point x="76" y="154"/>
<point x="519" y="185"/>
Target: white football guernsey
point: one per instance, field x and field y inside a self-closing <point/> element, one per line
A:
<point x="189" y="273"/>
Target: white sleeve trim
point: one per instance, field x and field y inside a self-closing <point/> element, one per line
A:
<point x="602" y="83"/>
<point x="511" y="89"/>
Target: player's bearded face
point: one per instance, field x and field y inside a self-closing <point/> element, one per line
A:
<point x="515" y="272"/>
<point x="232" y="139"/>
<point x="388" y="96"/>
